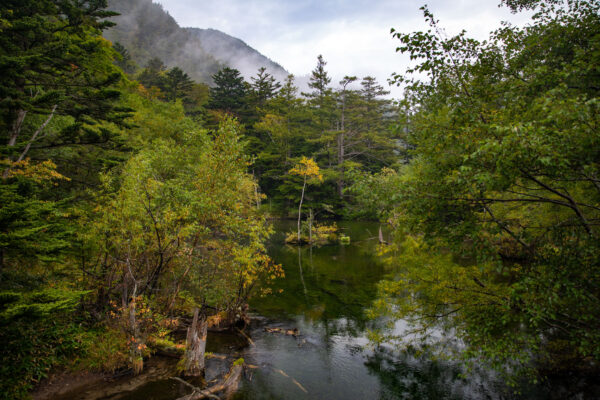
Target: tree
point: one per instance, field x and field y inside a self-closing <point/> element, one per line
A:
<point x="58" y="96"/>
<point x="32" y="230"/>
<point x="322" y="103"/>
<point x="177" y="84"/>
<point x="307" y="168"/>
<point x="283" y="132"/>
<point x="184" y="217"/>
<point x="263" y="87"/>
<point x="505" y="173"/>
<point x="54" y="62"/>
<point x="229" y="92"/>
<point x="153" y="76"/>
<point x="319" y="82"/>
<point x="341" y="135"/>
<point x="125" y="61"/>
<point x="364" y="137"/>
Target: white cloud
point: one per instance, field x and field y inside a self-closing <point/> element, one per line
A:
<point x="353" y="36"/>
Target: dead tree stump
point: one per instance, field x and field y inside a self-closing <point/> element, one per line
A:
<point x="196" y="345"/>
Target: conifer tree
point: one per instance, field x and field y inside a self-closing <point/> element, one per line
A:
<point x="53" y="62"/>
<point x="153" y="76"/>
<point x="125" y="62"/>
<point x="229" y="91"/>
<point x="263" y="87"/>
<point x="177" y="84"/>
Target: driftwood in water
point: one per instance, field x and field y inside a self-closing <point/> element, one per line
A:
<point x="228" y="386"/>
<point x="196" y="346"/>
<point x="282" y="373"/>
<point x="381" y="236"/>
<point x="250" y="341"/>
<point x="290" y="332"/>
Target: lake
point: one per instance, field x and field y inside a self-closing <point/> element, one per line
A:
<point x="324" y="295"/>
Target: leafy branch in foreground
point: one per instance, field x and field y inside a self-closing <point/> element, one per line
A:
<point x="505" y="174"/>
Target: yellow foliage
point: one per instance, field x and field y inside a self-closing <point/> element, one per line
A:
<point x="307" y="167"/>
<point x="44" y="171"/>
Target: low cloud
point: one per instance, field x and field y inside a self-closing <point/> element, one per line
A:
<point x="353" y="36"/>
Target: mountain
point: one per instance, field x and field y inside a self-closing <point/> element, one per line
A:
<point x="235" y="53"/>
<point x="147" y="31"/>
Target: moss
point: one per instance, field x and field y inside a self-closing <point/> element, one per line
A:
<point x="239" y="361"/>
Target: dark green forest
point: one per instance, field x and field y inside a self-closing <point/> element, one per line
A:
<point x="136" y="194"/>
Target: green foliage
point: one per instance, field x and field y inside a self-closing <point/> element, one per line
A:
<point x="263" y="87"/>
<point x="374" y="195"/>
<point x="229" y="91"/>
<point x="32" y="230"/>
<point x="504" y="174"/>
<point x="36" y="305"/>
<point x="188" y="209"/>
<point x="53" y="61"/>
<point x="124" y="60"/>
<point x="37" y="333"/>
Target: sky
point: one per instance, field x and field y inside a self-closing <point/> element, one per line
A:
<point x="352" y="35"/>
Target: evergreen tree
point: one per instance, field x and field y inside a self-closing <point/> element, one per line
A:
<point x="263" y="87"/>
<point x="125" y="61"/>
<point x="319" y="81"/>
<point x="283" y="127"/>
<point x="322" y="104"/>
<point x="153" y="76"/>
<point x="54" y="62"/>
<point x="229" y="91"/>
<point x="177" y="84"/>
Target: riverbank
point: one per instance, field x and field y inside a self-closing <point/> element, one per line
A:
<point x="88" y="385"/>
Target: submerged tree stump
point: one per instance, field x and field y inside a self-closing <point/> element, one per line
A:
<point x="228" y="386"/>
<point x="196" y="346"/>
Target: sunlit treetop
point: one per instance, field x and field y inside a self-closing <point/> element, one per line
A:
<point x="308" y="168"/>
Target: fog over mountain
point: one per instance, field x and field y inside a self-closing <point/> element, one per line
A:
<point x="235" y="52"/>
<point x="148" y="31"/>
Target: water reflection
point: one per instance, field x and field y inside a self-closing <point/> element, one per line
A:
<point x="325" y="293"/>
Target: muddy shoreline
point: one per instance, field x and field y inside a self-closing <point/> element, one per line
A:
<point x="85" y="385"/>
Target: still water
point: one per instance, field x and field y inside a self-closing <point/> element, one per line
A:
<point x="324" y="296"/>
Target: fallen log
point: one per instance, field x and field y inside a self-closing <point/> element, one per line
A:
<point x="229" y="385"/>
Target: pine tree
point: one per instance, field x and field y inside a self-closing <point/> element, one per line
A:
<point x="322" y="104"/>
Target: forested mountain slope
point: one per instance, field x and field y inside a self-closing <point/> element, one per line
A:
<point x="147" y="31"/>
<point x="236" y="53"/>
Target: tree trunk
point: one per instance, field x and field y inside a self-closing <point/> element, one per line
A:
<point x="300" y="208"/>
<point x="196" y="346"/>
<point x="37" y="132"/>
<point x="135" y="349"/>
<point x="310" y="222"/>
<point x="341" y="155"/>
<point x="16" y="128"/>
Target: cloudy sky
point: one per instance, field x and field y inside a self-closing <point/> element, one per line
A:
<point x="353" y="35"/>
